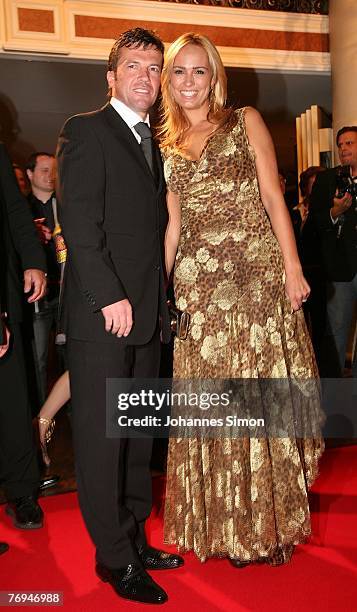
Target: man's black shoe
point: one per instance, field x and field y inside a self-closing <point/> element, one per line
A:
<point x="3" y="547"/>
<point x="132" y="582"/>
<point x="26" y="512"/>
<point x="155" y="559"/>
<point x="48" y="481"/>
<point x="239" y="564"/>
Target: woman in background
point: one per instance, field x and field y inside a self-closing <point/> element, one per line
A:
<point x="60" y="394"/>
<point x="238" y="275"/>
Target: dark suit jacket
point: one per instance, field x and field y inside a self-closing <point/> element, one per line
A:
<point x="40" y="210"/>
<point x="339" y="253"/>
<point x="113" y="218"/>
<point x="20" y="248"/>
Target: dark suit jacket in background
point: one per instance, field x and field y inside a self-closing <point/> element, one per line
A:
<point x="20" y="247"/>
<point x="113" y="219"/>
<point x="339" y="254"/>
<point x="40" y="210"/>
<point x="20" y="250"/>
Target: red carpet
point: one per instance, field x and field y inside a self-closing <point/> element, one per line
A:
<point x="321" y="577"/>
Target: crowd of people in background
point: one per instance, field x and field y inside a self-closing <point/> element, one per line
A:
<point x="324" y="222"/>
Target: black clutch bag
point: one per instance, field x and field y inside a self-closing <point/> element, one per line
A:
<point x="179" y="321"/>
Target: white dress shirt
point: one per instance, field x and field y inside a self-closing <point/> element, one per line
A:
<point x="130" y="117"/>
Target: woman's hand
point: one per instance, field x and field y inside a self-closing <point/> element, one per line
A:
<point x="296" y="288"/>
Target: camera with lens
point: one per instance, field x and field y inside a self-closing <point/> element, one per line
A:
<point x="344" y="182"/>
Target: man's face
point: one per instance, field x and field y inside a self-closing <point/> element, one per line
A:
<point x="347" y="149"/>
<point x="136" y="80"/>
<point x="44" y="174"/>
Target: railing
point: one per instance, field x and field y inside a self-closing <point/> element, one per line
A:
<point x="291" y="6"/>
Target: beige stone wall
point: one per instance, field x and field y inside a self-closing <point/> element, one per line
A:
<point x="343" y="39"/>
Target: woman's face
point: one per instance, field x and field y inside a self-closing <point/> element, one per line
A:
<point x="191" y="78"/>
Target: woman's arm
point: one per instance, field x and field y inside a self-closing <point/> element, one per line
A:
<point x="297" y="288"/>
<point x="173" y="230"/>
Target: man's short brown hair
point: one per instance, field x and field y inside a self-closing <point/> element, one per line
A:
<point x="343" y="130"/>
<point x="137" y="37"/>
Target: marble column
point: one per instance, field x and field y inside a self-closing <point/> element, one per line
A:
<point x="343" y="43"/>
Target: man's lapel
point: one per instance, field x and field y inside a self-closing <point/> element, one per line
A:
<point x="159" y="167"/>
<point x="127" y="138"/>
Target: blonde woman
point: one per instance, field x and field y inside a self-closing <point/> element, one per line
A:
<point x="237" y="273"/>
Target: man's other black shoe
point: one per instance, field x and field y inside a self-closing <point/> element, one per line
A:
<point x="26" y="513"/>
<point x="48" y="481"/>
<point x="3" y="547"/>
<point x="155" y="559"/>
<point x="132" y="582"/>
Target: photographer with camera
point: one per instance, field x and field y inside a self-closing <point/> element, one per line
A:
<point x="334" y="205"/>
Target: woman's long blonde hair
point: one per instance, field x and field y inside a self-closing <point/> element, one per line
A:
<point x="173" y="121"/>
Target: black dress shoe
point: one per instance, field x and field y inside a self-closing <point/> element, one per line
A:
<point x="48" y="481"/>
<point x="26" y="513"/>
<point x="155" y="559"/>
<point x="239" y="564"/>
<point x="132" y="582"/>
<point x="3" y="547"/>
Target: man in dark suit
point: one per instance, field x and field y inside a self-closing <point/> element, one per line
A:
<point x="41" y="170"/>
<point x="113" y="215"/>
<point x="335" y="211"/>
<point x="22" y="269"/>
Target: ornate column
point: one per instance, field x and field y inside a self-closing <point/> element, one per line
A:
<point x="343" y="44"/>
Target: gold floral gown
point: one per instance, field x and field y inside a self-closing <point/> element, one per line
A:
<point x="243" y="498"/>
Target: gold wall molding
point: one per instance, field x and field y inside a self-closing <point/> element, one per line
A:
<point x="290" y="6"/>
<point x="85" y="30"/>
<point x="34" y="40"/>
<point x="205" y="15"/>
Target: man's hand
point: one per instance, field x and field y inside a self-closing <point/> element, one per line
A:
<point x="340" y="205"/>
<point x="6" y="335"/>
<point x="35" y="280"/>
<point x="118" y="318"/>
<point x="44" y="232"/>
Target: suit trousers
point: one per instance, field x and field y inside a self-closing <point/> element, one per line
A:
<point x="113" y="475"/>
<point x="341" y="303"/>
<point x="43" y="322"/>
<point x="18" y="456"/>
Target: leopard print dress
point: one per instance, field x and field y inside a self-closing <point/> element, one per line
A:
<point x="243" y="498"/>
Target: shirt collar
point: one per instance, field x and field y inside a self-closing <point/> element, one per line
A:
<point x="35" y="199"/>
<point x="130" y="117"/>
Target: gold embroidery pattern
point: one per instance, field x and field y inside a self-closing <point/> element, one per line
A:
<point x="243" y="498"/>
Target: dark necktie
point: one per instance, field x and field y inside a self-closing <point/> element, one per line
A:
<point x="147" y="145"/>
